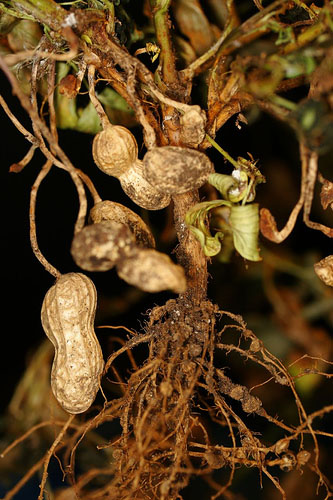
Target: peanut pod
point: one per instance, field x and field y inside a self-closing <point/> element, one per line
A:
<point x="142" y="192"/>
<point x="114" y="150"/>
<point x="110" y="210"/>
<point x="67" y="315"/>
<point x="174" y="170"/>
<point x="98" y="247"/>
<point x="152" y="271"/>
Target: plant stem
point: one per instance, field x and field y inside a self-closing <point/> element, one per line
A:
<point x="189" y="252"/>
<point x="161" y="21"/>
<point x="222" y="151"/>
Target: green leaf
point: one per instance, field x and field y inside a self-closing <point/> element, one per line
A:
<point x="198" y="225"/>
<point x="244" y="222"/>
<point x="66" y="112"/>
<point x="88" y="121"/>
<point x="212" y="245"/>
<point x="112" y="99"/>
<point x="222" y="183"/>
<point x="65" y="108"/>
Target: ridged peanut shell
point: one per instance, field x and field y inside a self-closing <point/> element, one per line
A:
<point x="110" y="210"/>
<point x="141" y="191"/>
<point x="114" y="150"/>
<point x="152" y="271"/>
<point x="174" y="170"/>
<point x="98" y="247"/>
<point x="68" y="314"/>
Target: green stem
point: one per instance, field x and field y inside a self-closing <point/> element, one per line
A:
<point x="284" y="103"/>
<point x="222" y="151"/>
<point x="161" y="21"/>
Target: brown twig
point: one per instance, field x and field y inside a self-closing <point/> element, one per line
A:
<point x="105" y="122"/>
<point x="310" y="163"/>
<point x="32" y="218"/>
<point x="64" y="162"/>
<point x="49" y="454"/>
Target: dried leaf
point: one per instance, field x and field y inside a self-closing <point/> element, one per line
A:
<point x="268" y="226"/>
<point x="193" y="23"/>
<point x="326" y="193"/>
<point x="68" y="86"/>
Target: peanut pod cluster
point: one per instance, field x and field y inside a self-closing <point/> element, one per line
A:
<point x="115" y="152"/>
<point x="67" y="315"/>
<point x="164" y="171"/>
<point x="120" y="238"/>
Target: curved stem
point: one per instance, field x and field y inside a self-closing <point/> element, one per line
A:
<point x="33" y="235"/>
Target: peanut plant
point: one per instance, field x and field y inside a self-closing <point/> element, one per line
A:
<point x="152" y="85"/>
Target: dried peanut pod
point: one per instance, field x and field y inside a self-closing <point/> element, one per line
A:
<point x="141" y="191"/>
<point x="324" y="270"/>
<point x="152" y="271"/>
<point x="68" y="314"/>
<point x="110" y="210"/>
<point x="99" y="247"/>
<point x="114" y="150"/>
<point x="174" y="170"/>
<point x="192" y="127"/>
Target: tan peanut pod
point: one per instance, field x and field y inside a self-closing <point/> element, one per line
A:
<point x="324" y="270"/>
<point x="114" y="150"/>
<point x="192" y="127"/>
<point x="110" y="210"/>
<point x="174" y="170"/>
<point x="98" y="247"/>
<point x="141" y="191"/>
<point x="68" y="314"/>
<point x="152" y="271"/>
